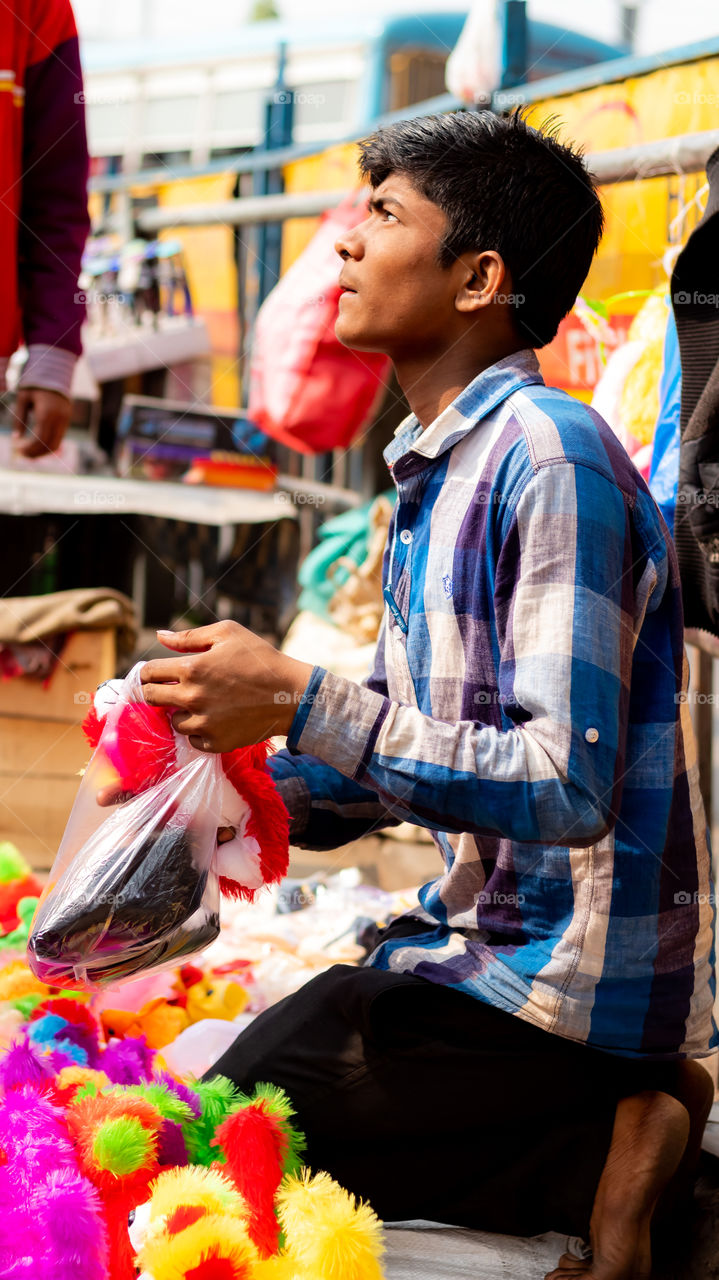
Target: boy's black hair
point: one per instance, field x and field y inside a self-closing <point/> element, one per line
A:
<point x="505" y="186"/>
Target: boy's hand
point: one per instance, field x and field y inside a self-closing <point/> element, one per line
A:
<point x="229" y="688"/>
<point x="42" y="417"/>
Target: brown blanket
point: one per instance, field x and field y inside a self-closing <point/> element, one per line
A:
<point x="24" y="619"/>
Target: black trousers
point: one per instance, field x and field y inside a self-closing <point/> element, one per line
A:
<point x="431" y="1104"/>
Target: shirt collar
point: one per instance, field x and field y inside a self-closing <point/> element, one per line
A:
<point x="473" y="403"/>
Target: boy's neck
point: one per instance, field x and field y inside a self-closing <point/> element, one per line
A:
<point x="430" y="386"/>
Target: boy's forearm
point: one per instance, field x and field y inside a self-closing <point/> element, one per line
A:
<point x="448" y="777"/>
<point x="326" y="808"/>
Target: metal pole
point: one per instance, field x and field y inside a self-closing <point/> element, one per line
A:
<point x="243" y="211"/>
<point x="687" y="153"/>
<point x="279" y="112"/>
<point x="513" y="19"/>
<point x="628" y="14"/>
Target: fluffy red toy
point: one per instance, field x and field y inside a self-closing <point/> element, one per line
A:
<point x="261" y="1146"/>
<point x="140" y="745"/>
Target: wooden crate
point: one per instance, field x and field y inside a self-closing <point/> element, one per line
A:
<point x="42" y="747"/>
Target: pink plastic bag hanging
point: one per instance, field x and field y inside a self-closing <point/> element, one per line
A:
<point x="306" y="389"/>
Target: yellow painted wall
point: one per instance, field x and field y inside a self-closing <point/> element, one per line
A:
<point x="209" y="262"/>
<point x="661" y="104"/>
<point x="331" y="170"/>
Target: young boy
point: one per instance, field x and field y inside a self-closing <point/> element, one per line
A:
<point x="513" y="1055"/>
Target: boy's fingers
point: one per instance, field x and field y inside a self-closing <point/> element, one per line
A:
<point x="187" y="723"/>
<point x="162" y="671"/>
<point x="20" y="412"/>
<point x="162" y="695"/>
<point x="194" y="641"/>
<point x="112" y="795"/>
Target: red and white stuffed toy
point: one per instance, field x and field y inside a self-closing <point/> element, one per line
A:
<point x="142" y="746"/>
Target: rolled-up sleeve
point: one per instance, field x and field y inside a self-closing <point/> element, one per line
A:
<point x="568" y="611"/>
<point x="327" y="809"/>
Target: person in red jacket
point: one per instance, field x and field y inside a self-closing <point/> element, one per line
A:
<point x="43" y="211"/>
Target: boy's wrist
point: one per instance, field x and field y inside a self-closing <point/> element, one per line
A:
<point x="290" y="691"/>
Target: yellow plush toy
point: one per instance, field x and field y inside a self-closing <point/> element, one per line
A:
<point x="159" y="1022"/>
<point x="329" y="1236"/>
<point x="215" y="998"/>
<point x="194" y="1222"/>
<point x="195" y="1225"/>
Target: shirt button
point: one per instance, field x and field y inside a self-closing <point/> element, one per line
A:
<point x="592" y="735"/>
<point x="405" y="536"/>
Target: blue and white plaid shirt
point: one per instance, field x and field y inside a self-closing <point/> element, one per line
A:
<point x="527" y="707"/>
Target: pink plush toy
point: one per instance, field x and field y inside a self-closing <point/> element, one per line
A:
<point x="52" y="1224"/>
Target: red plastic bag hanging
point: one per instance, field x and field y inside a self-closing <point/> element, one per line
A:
<point x="306" y="389"/>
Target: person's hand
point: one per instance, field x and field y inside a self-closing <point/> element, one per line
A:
<point x="42" y="417"/>
<point x="112" y="795"/>
<point x="229" y="688"/>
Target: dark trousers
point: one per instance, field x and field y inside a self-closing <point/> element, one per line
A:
<point x="431" y="1104"/>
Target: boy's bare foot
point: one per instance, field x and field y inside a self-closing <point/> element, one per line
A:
<point x="650" y="1136"/>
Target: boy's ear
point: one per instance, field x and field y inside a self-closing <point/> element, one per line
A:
<point x="483" y="281"/>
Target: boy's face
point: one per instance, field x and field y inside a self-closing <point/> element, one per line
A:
<point x="397" y="298"/>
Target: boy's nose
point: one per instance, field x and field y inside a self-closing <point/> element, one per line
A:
<point x="349" y="245"/>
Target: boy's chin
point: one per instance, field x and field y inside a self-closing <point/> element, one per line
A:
<point x="359" y="341"/>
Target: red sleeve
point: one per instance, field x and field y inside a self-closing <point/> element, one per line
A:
<point x="54" y="220"/>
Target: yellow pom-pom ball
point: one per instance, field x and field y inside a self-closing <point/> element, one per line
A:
<point x="16" y="980"/>
<point x="194" y="1185"/>
<point x="74" y="1078"/>
<point x="211" y="1240"/>
<point x="330" y="1235"/>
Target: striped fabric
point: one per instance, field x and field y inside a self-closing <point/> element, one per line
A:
<point x="526" y="706"/>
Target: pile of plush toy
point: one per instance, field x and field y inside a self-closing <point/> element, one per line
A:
<point x="111" y="1164"/>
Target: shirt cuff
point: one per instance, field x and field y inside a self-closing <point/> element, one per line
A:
<point x="48" y="368"/>
<point x="296" y="797"/>
<point x="338" y="721"/>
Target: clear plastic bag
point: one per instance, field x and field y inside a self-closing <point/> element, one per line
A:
<point x="133" y="886"/>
